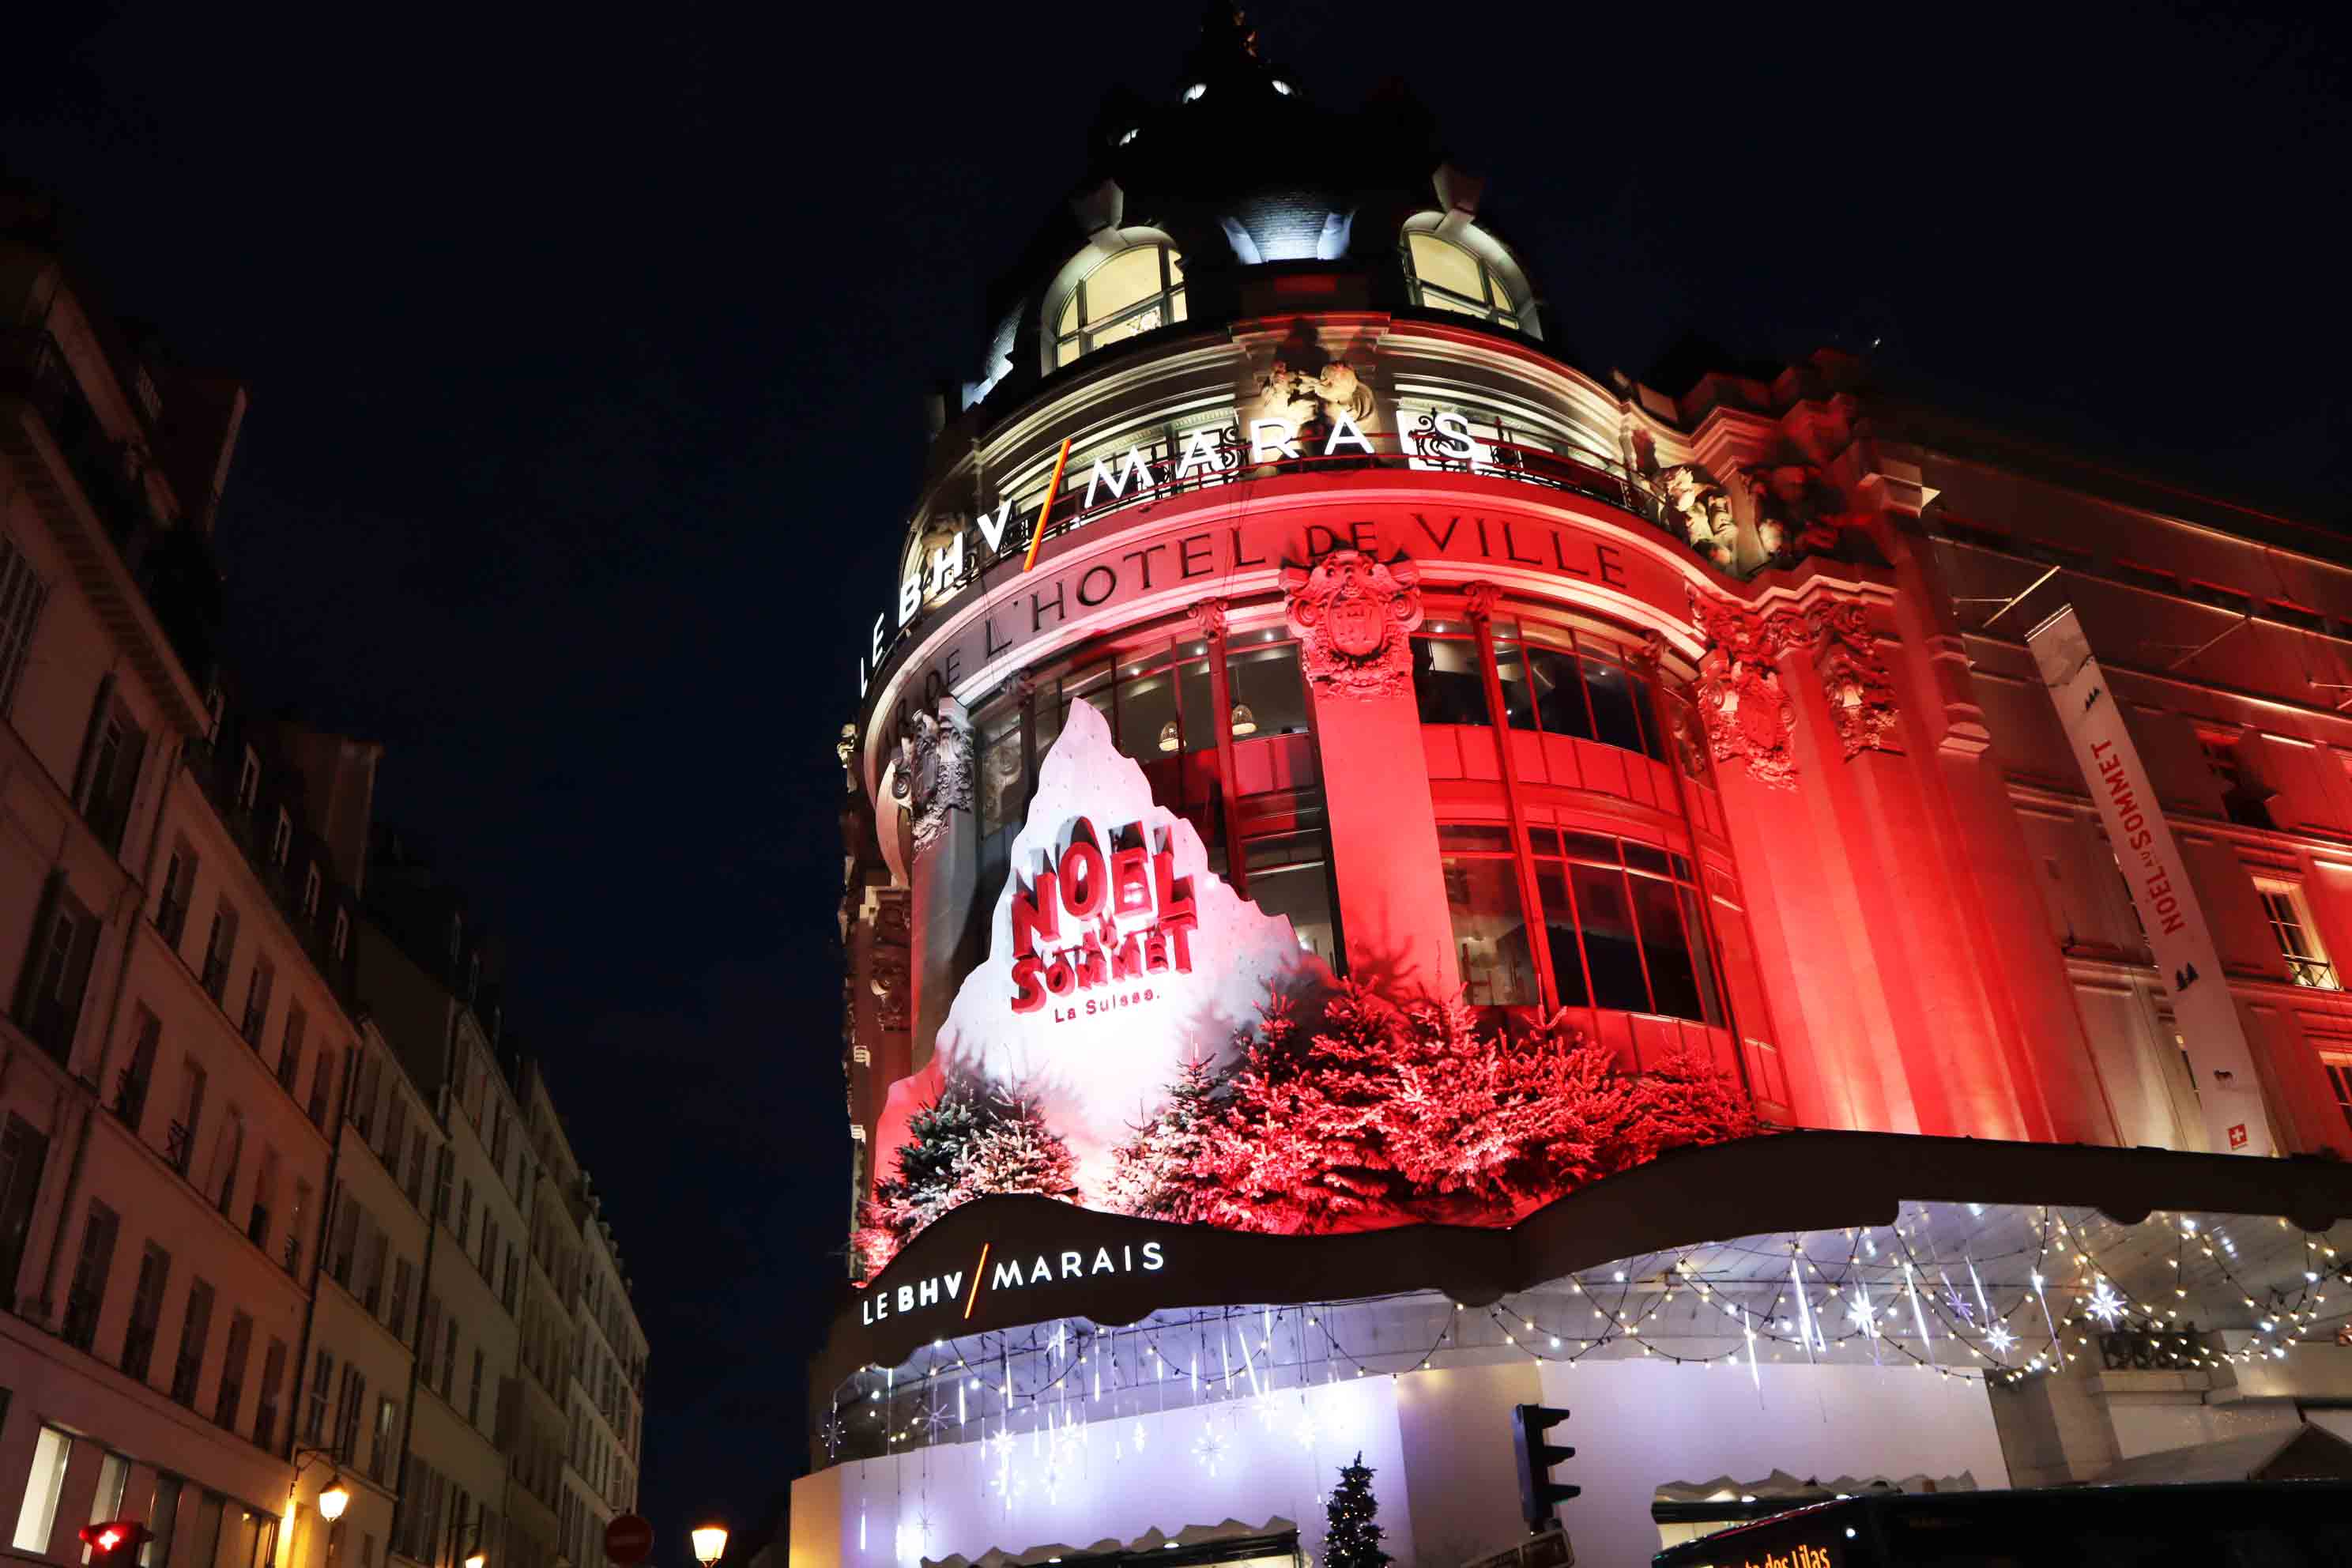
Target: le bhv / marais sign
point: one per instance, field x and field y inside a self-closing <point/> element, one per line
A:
<point x="1270" y="441"/>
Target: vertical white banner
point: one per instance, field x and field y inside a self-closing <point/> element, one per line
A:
<point x="2219" y="1057"/>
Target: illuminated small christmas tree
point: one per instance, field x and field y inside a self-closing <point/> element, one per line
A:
<point x="969" y="1142"/>
<point x="1353" y="1540"/>
<point x="1150" y="1174"/>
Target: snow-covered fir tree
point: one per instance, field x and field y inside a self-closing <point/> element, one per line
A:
<point x="1151" y="1171"/>
<point x="971" y="1142"/>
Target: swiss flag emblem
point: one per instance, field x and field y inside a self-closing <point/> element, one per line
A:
<point x="2238" y="1136"/>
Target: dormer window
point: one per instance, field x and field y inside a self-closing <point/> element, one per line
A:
<point x="1455" y="272"/>
<point x="1127" y="292"/>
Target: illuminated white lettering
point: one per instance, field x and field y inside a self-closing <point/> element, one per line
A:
<point x="947" y="565"/>
<point x="928" y="1293"/>
<point x="906" y="1297"/>
<point x="955" y="1285"/>
<point x="910" y="596"/>
<point x="877" y="654"/>
<point x="1073" y="1263"/>
<point x="1151" y="1258"/>
<point x="992" y="532"/>
<point x="1283" y="444"/>
<point x="1134" y="468"/>
<point x="1345" y="428"/>
<point x="1006" y="1276"/>
<point x="1041" y="1269"/>
<point x="1459" y="446"/>
<point x="1102" y="1261"/>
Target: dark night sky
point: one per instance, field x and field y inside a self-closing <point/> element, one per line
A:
<point x="586" y="352"/>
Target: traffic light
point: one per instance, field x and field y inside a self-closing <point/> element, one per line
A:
<point x="1540" y="1495"/>
<point x="114" y="1542"/>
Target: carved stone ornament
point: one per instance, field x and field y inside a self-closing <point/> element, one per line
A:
<point x="1208" y="616"/>
<point x="1698" y="508"/>
<point x="1479" y="599"/>
<point x="846" y="748"/>
<point x="1749" y="719"/>
<point x="1854" y="678"/>
<point x="1353" y="616"/>
<point x="892" y="996"/>
<point x="935" y="772"/>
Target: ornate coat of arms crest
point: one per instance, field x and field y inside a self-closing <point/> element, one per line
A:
<point x="1354" y="616"/>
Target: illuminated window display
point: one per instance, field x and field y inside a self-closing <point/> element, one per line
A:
<point x="1349" y="809"/>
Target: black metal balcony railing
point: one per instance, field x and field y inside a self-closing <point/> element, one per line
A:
<point x="2316" y="973"/>
<point x="293" y="1254"/>
<point x="1425" y="448"/>
<point x="178" y="1147"/>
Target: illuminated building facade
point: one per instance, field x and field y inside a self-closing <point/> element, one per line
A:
<point x="1276" y="568"/>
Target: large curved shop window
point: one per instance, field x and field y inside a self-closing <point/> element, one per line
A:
<point x="1619" y="917"/>
<point x="1162" y="706"/>
<point x="1454" y="276"/>
<point x="1573" y="683"/>
<point x="1127" y="292"/>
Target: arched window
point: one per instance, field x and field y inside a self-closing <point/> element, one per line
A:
<point x="1447" y="276"/>
<point x="1128" y="291"/>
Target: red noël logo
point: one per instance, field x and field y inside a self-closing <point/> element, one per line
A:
<point x="2238" y="1136"/>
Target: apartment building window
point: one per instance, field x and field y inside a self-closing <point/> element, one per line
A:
<point x="404" y="1283"/>
<point x="294" y="1225"/>
<point x="2297" y="937"/>
<point x="344" y="1246"/>
<point x="387" y="1424"/>
<point x="248" y="780"/>
<point x="195" y="1329"/>
<point x="290" y="1053"/>
<point x="91" y="1266"/>
<point x="163" y="1518"/>
<point x="37" y="1515"/>
<point x="57" y="970"/>
<point x="351" y="1412"/>
<point x="448" y="1358"/>
<point x="178" y="891"/>
<point x="228" y="1153"/>
<point x="474" y="1390"/>
<point x="2244" y="800"/>
<point x="257" y="1000"/>
<point x="311" y="891"/>
<point x="281" y="839"/>
<point x="343" y="934"/>
<point x="232" y="1379"/>
<point x="273" y="1382"/>
<point x="131" y="1083"/>
<point x="220" y="948"/>
<point x="110" y="776"/>
<point x="146" y="1313"/>
<point x="23" y="1153"/>
<point x="464" y="1211"/>
<point x="414" y="1184"/>
<point x="264" y="1200"/>
<point x="180" y="1138"/>
<point x="21" y="594"/>
<point x="314" y="1422"/>
<point x="322" y="1088"/>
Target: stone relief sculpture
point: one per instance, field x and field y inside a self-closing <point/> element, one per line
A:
<point x="1698" y="506"/>
<point x="1353" y="616"/>
<point x="934" y="776"/>
<point x="1796" y="509"/>
<point x="1312" y="405"/>
<point x="1749" y="717"/>
<point x="1854" y="679"/>
<point x="891" y="962"/>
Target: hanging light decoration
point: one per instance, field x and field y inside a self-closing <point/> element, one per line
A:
<point x="1169" y="739"/>
<point x="1245" y="721"/>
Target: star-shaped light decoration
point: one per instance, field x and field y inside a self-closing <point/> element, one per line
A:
<point x="1209" y="1448"/>
<point x="1999" y="1338"/>
<point x="834" y="1433"/>
<point x="2105" y="1305"/>
<point x="1860" y="1314"/>
<point x="1958" y="1307"/>
<point x="933" y="1418"/>
<point x="1001" y="1443"/>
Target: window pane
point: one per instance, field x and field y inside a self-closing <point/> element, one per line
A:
<point x="1265" y="681"/>
<point x="1001" y="772"/>
<point x="1446" y="683"/>
<point x="1560" y="695"/>
<point x="1125" y="280"/>
<point x="1673" y="978"/>
<point x="1147" y="717"/>
<point x="163" y="1517"/>
<point x="1710" y="986"/>
<point x="1070" y="315"/>
<point x="1589" y="845"/>
<point x="1447" y="265"/>
<point x="1606" y="918"/>
<point x="1518" y="704"/>
<point x="1559" y="930"/>
<point x="1472" y="839"/>
<point x="1646" y="857"/>
<point x="1199" y="717"/>
<point x="1291" y="876"/>
<point x="1615" y="696"/>
<point x="1490" y="932"/>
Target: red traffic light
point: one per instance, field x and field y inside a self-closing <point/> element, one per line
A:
<point x="115" y="1540"/>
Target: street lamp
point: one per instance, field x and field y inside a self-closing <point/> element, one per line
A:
<point x="709" y="1544"/>
<point x="334" y="1500"/>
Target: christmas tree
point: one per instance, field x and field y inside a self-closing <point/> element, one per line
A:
<point x="969" y="1142"/>
<point x="1353" y="1540"/>
<point x="1151" y="1172"/>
